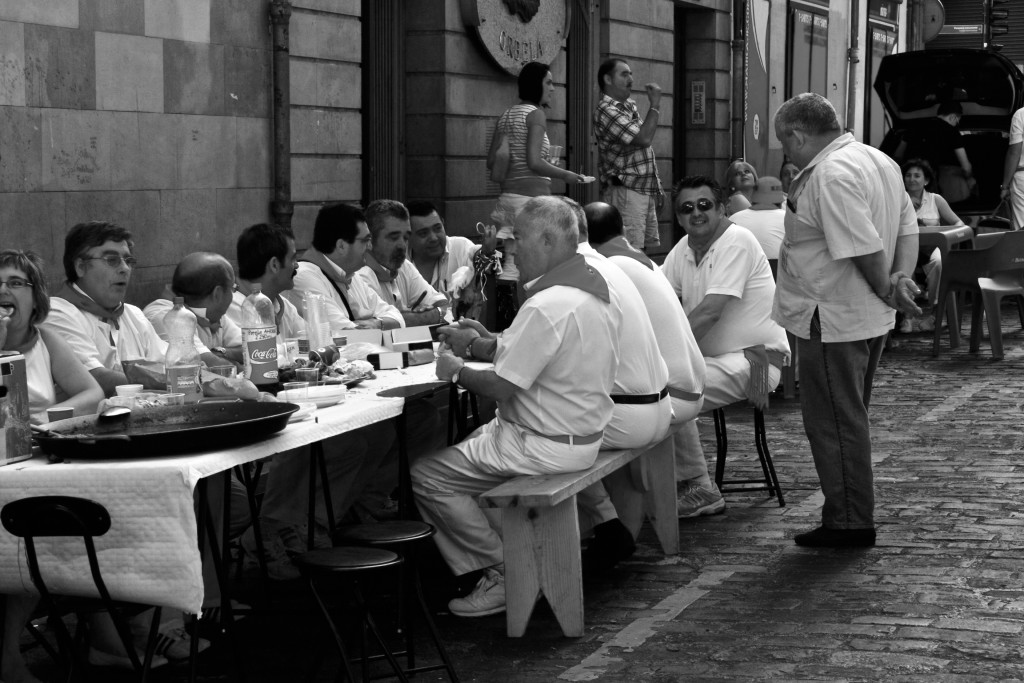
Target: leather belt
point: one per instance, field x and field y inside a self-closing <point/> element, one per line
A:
<point x="639" y="398"/>
<point x="574" y="440"/>
<point x="683" y="395"/>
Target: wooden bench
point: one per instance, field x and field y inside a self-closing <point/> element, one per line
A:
<point x="541" y="531"/>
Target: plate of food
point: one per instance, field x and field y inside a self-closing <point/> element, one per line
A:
<point x="350" y="373"/>
<point x="322" y="396"/>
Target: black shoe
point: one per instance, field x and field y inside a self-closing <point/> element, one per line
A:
<point x="611" y="544"/>
<point x="823" y="537"/>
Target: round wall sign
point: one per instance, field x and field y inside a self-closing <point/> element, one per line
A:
<point x="515" y="32"/>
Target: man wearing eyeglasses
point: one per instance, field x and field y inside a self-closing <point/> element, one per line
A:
<point x="89" y="310"/>
<point x="723" y="279"/>
<point x="340" y="239"/>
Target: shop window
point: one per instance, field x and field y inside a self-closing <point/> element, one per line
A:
<point x="808" y="51"/>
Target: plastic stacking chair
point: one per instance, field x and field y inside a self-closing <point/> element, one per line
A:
<point x="347" y="566"/>
<point x="995" y="266"/>
<point x="404" y="537"/>
<point x="65" y="516"/>
<point x="770" y="481"/>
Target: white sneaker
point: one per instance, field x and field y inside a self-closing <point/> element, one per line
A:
<point x="487" y="598"/>
<point x="696" y="501"/>
<point x="175" y="643"/>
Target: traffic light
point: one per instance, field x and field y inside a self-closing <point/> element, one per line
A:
<point x="996" y="22"/>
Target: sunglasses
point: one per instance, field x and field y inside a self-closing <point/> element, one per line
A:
<point x="686" y="208"/>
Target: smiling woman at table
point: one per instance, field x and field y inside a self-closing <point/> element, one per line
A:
<point x="932" y="210"/>
<point x="56" y="379"/>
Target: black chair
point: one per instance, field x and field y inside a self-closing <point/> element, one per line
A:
<point x="346" y="566"/>
<point x="770" y="481"/>
<point x="66" y="516"/>
<point x="404" y="537"/>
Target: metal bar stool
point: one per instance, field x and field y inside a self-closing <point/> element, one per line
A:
<point x="770" y="481"/>
<point x="404" y="537"/>
<point x="350" y="564"/>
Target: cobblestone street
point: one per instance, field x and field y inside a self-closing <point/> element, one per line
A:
<point x="940" y="598"/>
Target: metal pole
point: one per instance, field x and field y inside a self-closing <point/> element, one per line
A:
<point x="853" y="57"/>
<point x="739" y="42"/>
<point x="281" y="207"/>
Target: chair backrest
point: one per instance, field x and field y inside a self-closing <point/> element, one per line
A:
<point x="55" y="516"/>
<point x="1007" y="254"/>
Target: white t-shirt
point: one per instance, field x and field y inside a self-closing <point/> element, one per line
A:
<point x="365" y="302"/>
<point x="228" y="336"/>
<point x="98" y="344"/>
<point x="641" y="368"/>
<point x="1017" y="127"/>
<point x="735" y="265"/>
<point x="678" y="347"/>
<point x="405" y="289"/>
<point x="562" y="352"/>
<point x="767" y="225"/>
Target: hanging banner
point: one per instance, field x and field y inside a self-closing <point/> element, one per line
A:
<point x="756" y="117"/>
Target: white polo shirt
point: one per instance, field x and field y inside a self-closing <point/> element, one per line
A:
<point x="562" y="352"/>
<point x="767" y="225"/>
<point x="365" y="302"/>
<point x="405" y="289"/>
<point x="98" y="344"/>
<point x="679" y="349"/>
<point x="735" y="265"/>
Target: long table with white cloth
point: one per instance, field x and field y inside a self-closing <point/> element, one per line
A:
<point x="151" y="553"/>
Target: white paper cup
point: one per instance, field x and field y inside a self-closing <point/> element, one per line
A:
<point x="128" y="389"/>
<point x="54" y="414"/>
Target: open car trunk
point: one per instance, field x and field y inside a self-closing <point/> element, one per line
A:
<point x="988" y="86"/>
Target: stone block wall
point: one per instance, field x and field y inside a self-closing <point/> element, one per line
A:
<point x="152" y="113"/>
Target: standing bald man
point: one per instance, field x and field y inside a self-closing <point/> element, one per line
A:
<point x="851" y="239"/>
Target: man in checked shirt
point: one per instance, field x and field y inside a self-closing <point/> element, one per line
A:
<point x="628" y="172"/>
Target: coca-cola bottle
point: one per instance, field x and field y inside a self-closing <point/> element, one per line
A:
<point x="181" y="362"/>
<point x="259" y="339"/>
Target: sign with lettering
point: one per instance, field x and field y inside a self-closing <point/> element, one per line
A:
<point x="514" y="32"/>
<point x="697" y="104"/>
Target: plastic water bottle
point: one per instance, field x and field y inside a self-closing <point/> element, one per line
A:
<point x="259" y="339"/>
<point x="182" y="360"/>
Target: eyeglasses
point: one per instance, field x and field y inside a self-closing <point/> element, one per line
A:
<point x="365" y="240"/>
<point x="113" y="260"/>
<point x="686" y="208"/>
<point x="15" y="283"/>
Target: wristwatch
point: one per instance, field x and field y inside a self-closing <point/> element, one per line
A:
<point x="455" y="377"/>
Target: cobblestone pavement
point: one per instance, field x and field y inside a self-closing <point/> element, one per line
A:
<point x="940" y="598"/>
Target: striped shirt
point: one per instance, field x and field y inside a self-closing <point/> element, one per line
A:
<point x="616" y="125"/>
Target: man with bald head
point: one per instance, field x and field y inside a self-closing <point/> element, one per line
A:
<point x="206" y="281"/>
<point x="554" y="369"/>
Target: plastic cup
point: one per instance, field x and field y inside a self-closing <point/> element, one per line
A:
<point x="54" y="414"/>
<point x="224" y="370"/>
<point x="555" y="155"/>
<point x="309" y="376"/>
<point x="297" y="391"/>
<point x="128" y="389"/>
<point x="172" y="399"/>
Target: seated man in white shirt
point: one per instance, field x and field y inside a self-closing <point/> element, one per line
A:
<point x="390" y="274"/>
<point x="437" y="255"/>
<point x="207" y="283"/>
<point x="266" y="255"/>
<point x="720" y="273"/>
<point x="89" y="311"/>
<point x="340" y="240"/>
<point x="765" y="216"/>
<point x="554" y="369"/>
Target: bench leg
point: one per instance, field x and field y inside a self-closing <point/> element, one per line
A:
<point x="542" y="556"/>
<point x="660" y="496"/>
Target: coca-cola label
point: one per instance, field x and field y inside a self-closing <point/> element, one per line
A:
<point x="260" y="347"/>
<point x="184" y="379"/>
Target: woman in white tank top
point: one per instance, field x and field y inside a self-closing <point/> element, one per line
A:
<point x="56" y="378"/>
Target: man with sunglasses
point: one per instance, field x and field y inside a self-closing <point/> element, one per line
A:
<point x="723" y="279"/>
<point x="89" y="310"/>
<point x="851" y="234"/>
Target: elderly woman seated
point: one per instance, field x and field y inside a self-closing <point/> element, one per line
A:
<point x="55" y="379"/>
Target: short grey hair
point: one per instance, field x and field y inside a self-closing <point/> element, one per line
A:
<point x="581" y="216"/>
<point x="810" y="113"/>
<point x="554" y="217"/>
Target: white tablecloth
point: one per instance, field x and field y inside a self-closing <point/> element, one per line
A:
<point x="150" y="555"/>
